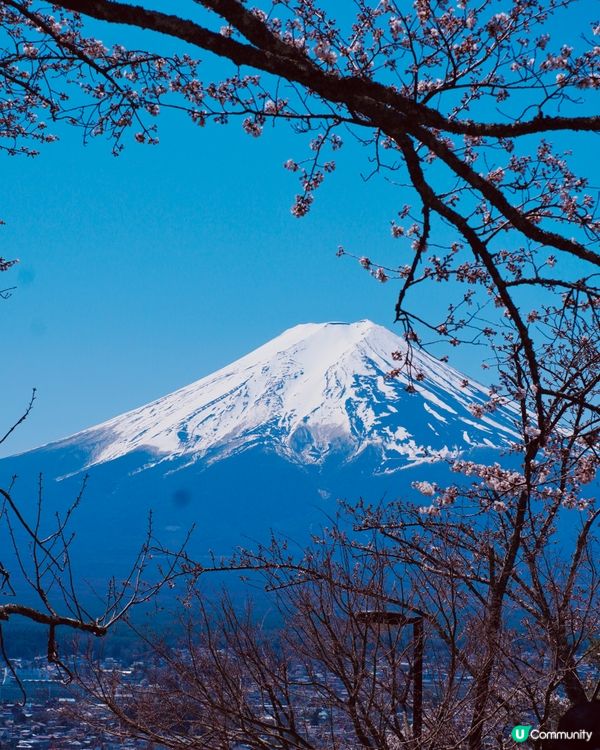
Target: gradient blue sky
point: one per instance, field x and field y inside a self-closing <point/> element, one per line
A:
<point x="142" y="273"/>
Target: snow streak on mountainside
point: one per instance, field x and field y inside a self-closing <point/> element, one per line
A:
<point x="316" y="392"/>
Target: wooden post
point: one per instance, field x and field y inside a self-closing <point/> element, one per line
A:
<point x="418" y="649"/>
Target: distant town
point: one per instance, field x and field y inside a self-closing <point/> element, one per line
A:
<point x="47" y="721"/>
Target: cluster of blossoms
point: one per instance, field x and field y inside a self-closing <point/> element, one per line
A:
<point x="501" y="481"/>
<point x="563" y="489"/>
<point x="509" y="484"/>
<point x="301" y="205"/>
<point x="377" y="272"/>
<point x="496" y="176"/>
<point x="572" y="501"/>
<point x="480" y="410"/>
<point x="448" y="495"/>
<point x="396" y="27"/>
<point x="312" y="172"/>
<point x="586" y="469"/>
<point x="324" y="52"/>
<point x="425" y="488"/>
<point x="440" y="497"/>
<point x="252" y="127"/>
<point x="380" y="275"/>
<point x="560" y="482"/>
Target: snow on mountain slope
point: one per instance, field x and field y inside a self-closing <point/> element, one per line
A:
<point x="316" y="391"/>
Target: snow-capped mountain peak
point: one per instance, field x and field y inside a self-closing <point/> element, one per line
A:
<point x="312" y="393"/>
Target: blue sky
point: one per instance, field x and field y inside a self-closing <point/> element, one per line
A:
<point x="142" y="273"/>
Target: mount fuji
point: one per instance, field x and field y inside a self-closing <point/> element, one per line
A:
<point x="269" y="441"/>
<point x="316" y="392"/>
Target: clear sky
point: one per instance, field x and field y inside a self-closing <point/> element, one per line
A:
<point x="142" y="273"/>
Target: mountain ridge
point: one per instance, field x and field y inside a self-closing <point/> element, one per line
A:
<point x="315" y="392"/>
